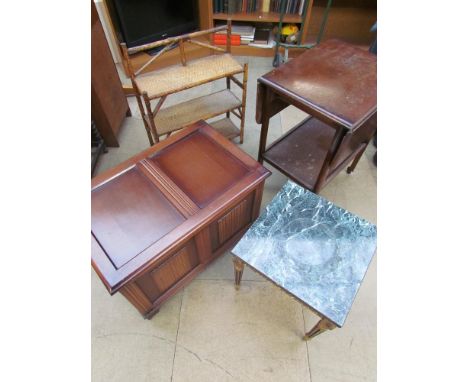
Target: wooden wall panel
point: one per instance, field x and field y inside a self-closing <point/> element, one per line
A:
<point x="233" y="221"/>
<point x="166" y="274"/>
<point x="175" y="268"/>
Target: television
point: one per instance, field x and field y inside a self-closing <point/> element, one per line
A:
<point x="144" y="21"/>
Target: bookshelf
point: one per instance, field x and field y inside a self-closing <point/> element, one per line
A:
<point x="212" y="18"/>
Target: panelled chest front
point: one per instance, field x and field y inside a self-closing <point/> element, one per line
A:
<point x="161" y="217"/>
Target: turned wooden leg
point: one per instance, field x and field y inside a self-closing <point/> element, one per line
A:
<point x="321" y="326"/>
<point x="238" y="270"/>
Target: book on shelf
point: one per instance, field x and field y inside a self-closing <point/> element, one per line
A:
<point x="271" y="44"/>
<point x="251" y="6"/>
<point x="223" y="37"/>
<point x="241" y="30"/>
<point x="261" y="36"/>
<point x="293" y="7"/>
<point x="224" y="42"/>
<point x="263" y="39"/>
<point x="246" y="40"/>
<point x="266" y="6"/>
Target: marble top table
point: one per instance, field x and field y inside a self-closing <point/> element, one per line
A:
<point x="312" y="249"/>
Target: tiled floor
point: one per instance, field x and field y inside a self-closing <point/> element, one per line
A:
<point x="210" y="332"/>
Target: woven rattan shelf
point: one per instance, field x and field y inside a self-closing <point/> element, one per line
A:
<point x="164" y="82"/>
<point x="176" y="117"/>
<point x="197" y="72"/>
<point x="226" y="127"/>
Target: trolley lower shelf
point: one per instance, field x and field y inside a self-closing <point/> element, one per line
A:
<point x="301" y="152"/>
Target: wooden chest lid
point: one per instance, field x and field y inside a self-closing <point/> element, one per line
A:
<point x="335" y="81"/>
<point x="147" y="205"/>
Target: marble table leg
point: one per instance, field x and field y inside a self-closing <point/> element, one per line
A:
<point x="238" y="270"/>
<point x="321" y="326"/>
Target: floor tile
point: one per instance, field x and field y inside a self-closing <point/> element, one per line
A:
<point x="261" y="63"/>
<point x="132" y="139"/>
<point x="126" y="347"/>
<point x="290" y="117"/>
<point x="357" y="192"/>
<point x="348" y="353"/>
<point x="223" y="269"/>
<point x="272" y="185"/>
<point x="253" y="334"/>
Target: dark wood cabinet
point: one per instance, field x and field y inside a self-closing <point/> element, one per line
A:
<point x="109" y="105"/>
<point x="161" y="217"/>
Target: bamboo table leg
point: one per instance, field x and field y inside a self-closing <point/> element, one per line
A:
<point x="145" y="123"/>
<point x="244" y="99"/>
<point x="238" y="270"/>
<point x="228" y="86"/>
<point x="320" y="327"/>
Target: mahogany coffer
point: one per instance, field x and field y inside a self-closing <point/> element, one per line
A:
<point x="162" y="216"/>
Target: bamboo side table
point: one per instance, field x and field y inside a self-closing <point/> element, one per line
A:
<point x="336" y="84"/>
<point x="159" y="84"/>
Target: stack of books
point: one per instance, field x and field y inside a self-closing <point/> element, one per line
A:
<point x="252" y="6"/>
<point x="221" y="39"/>
<point x="240" y="35"/>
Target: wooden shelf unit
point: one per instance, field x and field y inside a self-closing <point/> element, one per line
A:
<point x="207" y="16"/>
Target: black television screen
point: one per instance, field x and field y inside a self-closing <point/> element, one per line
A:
<point x="144" y="21"/>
